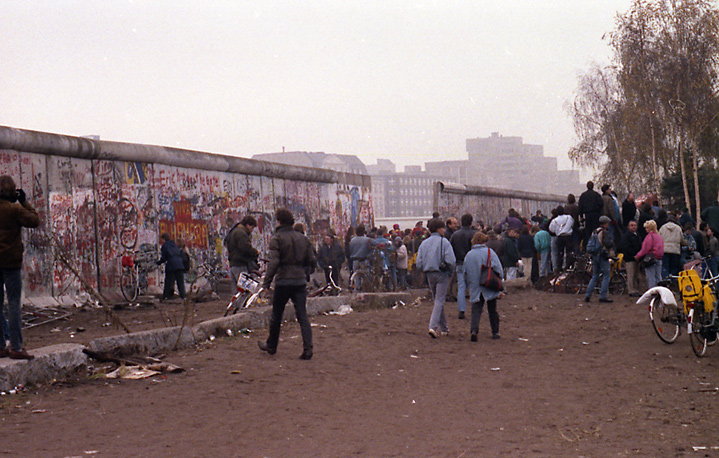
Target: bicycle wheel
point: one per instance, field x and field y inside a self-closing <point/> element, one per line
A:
<point x="665" y="320"/>
<point x="386" y="283"/>
<point x="360" y="282"/>
<point x="128" y="284"/>
<point x="252" y="300"/>
<point x="574" y="283"/>
<point x="236" y="303"/>
<point x="698" y="335"/>
<point x="617" y="284"/>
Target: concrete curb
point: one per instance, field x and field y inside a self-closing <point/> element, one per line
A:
<point x="50" y="363"/>
<point x="59" y="361"/>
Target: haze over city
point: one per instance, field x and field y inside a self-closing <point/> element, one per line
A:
<point x="408" y="81"/>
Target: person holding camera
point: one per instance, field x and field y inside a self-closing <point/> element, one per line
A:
<point x="436" y="259"/>
<point x="15" y="213"/>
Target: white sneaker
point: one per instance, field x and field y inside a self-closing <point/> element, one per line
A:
<point x="432" y="333"/>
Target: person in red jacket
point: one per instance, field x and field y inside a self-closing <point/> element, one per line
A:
<point x="15" y="213"/>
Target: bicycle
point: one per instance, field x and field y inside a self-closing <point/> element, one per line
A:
<point x="372" y="275"/>
<point x="698" y="312"/>
<point x="208" y="274"/>
<point x="578" y="276"/>
<point x="249" y="289"/>
<point x="330" y="289"/>
<point x="135" y="267"/>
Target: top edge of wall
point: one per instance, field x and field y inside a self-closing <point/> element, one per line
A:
<point x="29" y="141"/>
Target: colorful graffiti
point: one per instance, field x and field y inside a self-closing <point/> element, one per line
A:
<point x="101" y="209"/>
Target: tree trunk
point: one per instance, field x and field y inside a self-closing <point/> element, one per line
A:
<point x="695" y="171"/>
<point x="683" y="168"/>
<point x="654" y="157"/>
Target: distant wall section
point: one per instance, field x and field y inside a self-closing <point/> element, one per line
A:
<point x="105" y="199"/>
<point x="489" y="204"/>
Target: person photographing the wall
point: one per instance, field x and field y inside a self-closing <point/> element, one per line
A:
<point x="15" y="213"/>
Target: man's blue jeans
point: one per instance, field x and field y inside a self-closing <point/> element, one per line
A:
<point x="461" y="288"/>
<point x="11" y="282"/>
<point x="600" y="266"/>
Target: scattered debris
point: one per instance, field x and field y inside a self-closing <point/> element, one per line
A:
<point x="342" y="310"/>
<point x="35" y="316"/>
<point x="495" y="368"/>
<point x="136" y="367"/>
<point x="523" y="339"/>
<point x="131" y="372"/>
<point x="414" y="356"/>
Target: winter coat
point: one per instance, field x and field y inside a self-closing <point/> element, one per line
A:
<point x="402" y="257"/>
<point x="332" y="255"/>
<point x="462" y="242"/>
<point x="542" y="241"/>
<point x="473" y="262"/>
<point x="170" y="254"/>
<point x="510" y="255"/>
<point x="671" y="234"/>
<point x="291" y="256"/>
<point x="13" y="217"/>
<point x="240" y="251"/>
<point x="630" y="246"/>
<point x="525" y="246"/>
<point x="654" y="244"/>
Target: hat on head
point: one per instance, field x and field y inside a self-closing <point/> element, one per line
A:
<point x="604" y="220"/>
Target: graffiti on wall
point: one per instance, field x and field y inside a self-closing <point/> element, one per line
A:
<point x="101" y="210"/>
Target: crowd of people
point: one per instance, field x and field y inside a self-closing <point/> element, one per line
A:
<point x="454" y="258"/>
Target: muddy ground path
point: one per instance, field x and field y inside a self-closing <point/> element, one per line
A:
<point x="567" y="378"/>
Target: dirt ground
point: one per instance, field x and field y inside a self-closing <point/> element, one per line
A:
<point x="567" y="378"/>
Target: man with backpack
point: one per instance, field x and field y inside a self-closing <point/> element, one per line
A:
<point x="600" y="246"/>
<point x="240" y="252"/>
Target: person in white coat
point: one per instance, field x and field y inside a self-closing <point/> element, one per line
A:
<point x="477" y="257"/>
<point x="671" y="234"/>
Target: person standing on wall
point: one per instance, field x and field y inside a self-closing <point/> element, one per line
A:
<point x="290" y="256"/>
<point x="175" y="268"/>
<point x="15" y="213"/>
<point x="590" y="208"/>
<point x="436" y="259"/>
<point x="240" y="252"/>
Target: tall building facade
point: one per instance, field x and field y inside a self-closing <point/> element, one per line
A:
<point x="507" y="162"/>
<point x="405" y="194"/>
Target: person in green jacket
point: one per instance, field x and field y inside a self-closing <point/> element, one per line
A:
<point x="543" y="244"/>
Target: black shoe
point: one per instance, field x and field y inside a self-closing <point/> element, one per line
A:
<point x="495" y="336"/>
<point x="263" y="346"/>
<point x="461" y="315"/>
<point x="473" y="337"/>
<point x="605" y="299"/>
<point x="306" y="355"/>
<point x="587" y="298"/>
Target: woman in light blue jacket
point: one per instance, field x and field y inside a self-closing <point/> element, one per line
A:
<point x="478" y="256"/>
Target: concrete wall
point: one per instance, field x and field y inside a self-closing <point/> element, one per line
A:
<point x="490" y="204"/>
<point x="105" y="199"/>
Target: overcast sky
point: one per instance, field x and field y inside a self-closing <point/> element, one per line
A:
<point x="404" y="80"/>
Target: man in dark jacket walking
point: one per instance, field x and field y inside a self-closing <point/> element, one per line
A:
<point x="240" y="252"/>
<point x="290" y="254"/>
<point x="175" y="268"/>
<point x="461" y="242"/>
<point x="13" y="217"/>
